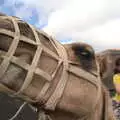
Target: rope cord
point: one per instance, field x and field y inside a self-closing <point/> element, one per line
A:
<point x="18" y="111"/>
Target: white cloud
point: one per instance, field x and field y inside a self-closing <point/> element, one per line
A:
<point x="95" y="21"/>
<point x="102" y="36"/>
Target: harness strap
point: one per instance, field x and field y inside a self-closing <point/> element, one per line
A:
<point x="33" y="66"/>
<point x="55" y="97"/>
<point x="83" y="74"/>
<point x="5" y="63"/>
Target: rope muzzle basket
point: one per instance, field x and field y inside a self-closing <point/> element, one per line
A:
<point x="46" y="94"/>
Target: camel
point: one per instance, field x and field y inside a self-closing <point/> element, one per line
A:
<point x="61" y="80"/>
<point x="106" y="60"/>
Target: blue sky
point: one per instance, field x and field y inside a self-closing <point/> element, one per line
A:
<point x="33" y="18"/>
<point x="10" y="10"/>
<point x="96" y="22"/>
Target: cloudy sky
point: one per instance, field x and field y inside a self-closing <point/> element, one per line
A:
<point x="96" y="22"/>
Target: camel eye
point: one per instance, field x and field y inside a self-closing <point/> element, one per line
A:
<point x="84" y="53"/>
